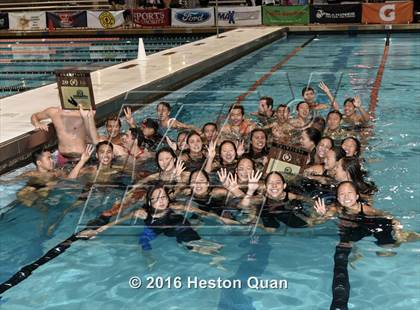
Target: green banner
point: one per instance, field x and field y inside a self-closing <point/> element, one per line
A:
<point x="286" y="15"/>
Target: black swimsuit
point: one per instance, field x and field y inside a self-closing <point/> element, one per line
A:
<point x="363" y="226"/>
<point x="286" y="211"/>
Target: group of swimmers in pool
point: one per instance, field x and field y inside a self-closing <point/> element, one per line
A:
<point x="220" y="171"/>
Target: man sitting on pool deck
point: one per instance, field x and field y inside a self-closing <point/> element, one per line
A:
<point x="72" y="128"/>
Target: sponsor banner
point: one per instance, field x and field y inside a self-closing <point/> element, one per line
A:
<point x="151" y="17"/>
<point x="27" y="21"/>
<point x="201" y="17"/>
<point x="105" y="19"/>
<point x="4" y="21"/>
<point x="336" y="13"/>
<point x="387" y="13"/>
<point x="66" y="20"/>
<point x="286" y="15"/>
<point x="239" y="16"/>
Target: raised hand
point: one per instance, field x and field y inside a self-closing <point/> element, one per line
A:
<point x="222" y="174"/>
<point x="87" y="153"/>
<point x="171" y="144"/>
<point x="179" y="168"/>
<point x="129" y="117"/>
<point x="357" y="102"/>
<point x="253" y="179"/>
<point x="240" y="147"/>
<point x="232" y="182"/>
<point x="320" y="206"/>
<point x="211" y="150"/>
<point x="324" y="87"/>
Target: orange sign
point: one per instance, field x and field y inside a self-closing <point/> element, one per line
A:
<point x="387" y="13"/>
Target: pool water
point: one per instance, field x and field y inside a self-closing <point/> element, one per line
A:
<point x="30" y="63"/>
<point x="95" y="273"/>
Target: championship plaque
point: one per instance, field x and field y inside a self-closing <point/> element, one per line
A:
<point x="75" y="89"/>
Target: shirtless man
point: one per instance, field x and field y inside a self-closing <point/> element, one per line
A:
<point x="308" y="94"/>
<point x="113" y="130"/>
<point x="265" y="110"/>
<point x="303" y="116"/>
<point x="71" y="128"/>
<point x="281" y="128"/>
<point x="354" y="113"/>
<point x="238" y="127"/>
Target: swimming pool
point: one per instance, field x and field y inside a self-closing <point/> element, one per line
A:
<point x="30" y="63"/>
<point x="95" y="273"/>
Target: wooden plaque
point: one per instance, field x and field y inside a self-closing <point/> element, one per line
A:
<point x="286" y="159"/>
<point x="75" y="88"/>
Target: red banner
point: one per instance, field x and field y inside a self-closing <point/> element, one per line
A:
<point x="151" y="17"/>
<point x="387" y="13"/>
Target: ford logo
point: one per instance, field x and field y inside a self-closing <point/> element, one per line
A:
<point x="192" y="17"/>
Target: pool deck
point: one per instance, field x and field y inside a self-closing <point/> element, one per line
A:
<point x="160" y="72"/>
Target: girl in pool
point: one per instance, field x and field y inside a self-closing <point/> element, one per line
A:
<point x="275" y="204"/>
<point x="326" y="172"/>
<point x="309" y="139"/>
<point x="161" y="216"/>
<point x="358" y="219"/>
<point x="351" y="146"/>
<point x="227" y="157"/>
<point x="258" y="150"/>
<point x="209" y="131"/>
<point x="349" y="169"/>
<point x="194" y="157"/>
<point x="324" y="145"/>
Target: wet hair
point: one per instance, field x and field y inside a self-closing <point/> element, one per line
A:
<point x="195" y="171"/>
<point x="272" y="173"/>
<point x="107" y="143"/>
<point x="339" y="152"/>
<point x="248" y="158"/>
<point x="268" y="100"/>
<point x="358" y="145"/>
<point x="223" y="143"/>
<point x="191" y="134"/>
<point x="113" y="118"/>
<point x="167" y="150"/>
<point x="335" y="112"/>
<point x="352" y="166"/>
<point x="352" y="185"/>
<point x="313" y="134"/>
<point x="137" y="134"/>
<point x="299" y="104"/>
<point x="307" y="88"/>
<point x="37" y="155"/>
<point x="349" y="100"/>
<point x="265" y="149"/>
<point x="319" y="123"/>
<point x="165" y="104"/>
<point x="237" y="106"/>
<point x="209" y="124"/>
<point x="283" y="106"/>
<point x="148" y="207"/>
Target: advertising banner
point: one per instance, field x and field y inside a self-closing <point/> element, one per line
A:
<point x="286" y="15"/>
<point x="151" y="18"/>
<point x="4" y="21"/>
<point x="66" y="19"/>
<point x="105" y="19"/>
<point x="239" y="16"/>
<point x="336" y="13"/>
<point x="200" y="17"/>
<point x="387" y="13"/>
<point x="27" y="21"/>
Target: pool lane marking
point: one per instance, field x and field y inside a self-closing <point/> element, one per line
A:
<point x="378" y="81"/>
<point x="273" y="69"/>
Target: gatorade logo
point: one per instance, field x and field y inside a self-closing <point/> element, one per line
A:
<point x="106" y="19"/>
<point x="387" y="12"/>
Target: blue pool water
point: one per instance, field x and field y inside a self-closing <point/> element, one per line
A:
<point x="31" y="63"/>
<point x="94" y="274"/>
